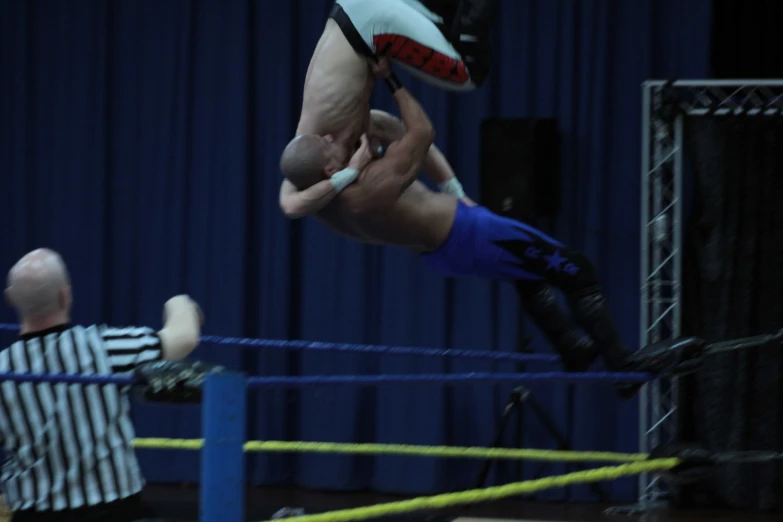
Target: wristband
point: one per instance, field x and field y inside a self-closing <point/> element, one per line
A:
<point x="393" y="83"/>
<point x="342" y="179"/>
<point x="453" y="187"/>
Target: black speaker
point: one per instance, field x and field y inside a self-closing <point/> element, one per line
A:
<point x="520" y="167"/>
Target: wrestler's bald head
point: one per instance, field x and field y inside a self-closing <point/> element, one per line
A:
<point x="305" y="160"/>
<point x="38" y="286"/>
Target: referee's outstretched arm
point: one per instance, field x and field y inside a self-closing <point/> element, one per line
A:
<point x="129" y="347"/>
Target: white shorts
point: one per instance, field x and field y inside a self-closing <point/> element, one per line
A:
<point x="406" y="32"/>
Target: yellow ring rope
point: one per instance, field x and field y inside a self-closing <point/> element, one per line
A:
<point x="404" y="449"/>
<point x="491" y="493"/>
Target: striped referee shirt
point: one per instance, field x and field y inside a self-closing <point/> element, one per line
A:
<point x="69" y="445"/>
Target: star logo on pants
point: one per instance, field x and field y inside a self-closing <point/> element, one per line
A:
<point x="555" y="261"/>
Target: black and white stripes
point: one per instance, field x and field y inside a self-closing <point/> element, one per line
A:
<point x="69" y="445"/>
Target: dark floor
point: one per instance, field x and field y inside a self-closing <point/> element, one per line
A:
<point x="182" y="502"/>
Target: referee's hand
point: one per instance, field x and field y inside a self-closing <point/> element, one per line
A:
<point x="182" y="303"/>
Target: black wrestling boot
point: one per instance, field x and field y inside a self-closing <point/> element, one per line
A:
<point x="446" y="9"/>
<point x="470" y="36"/>
<point x="473" y="20"/>
<point x="592" y="315"/>
<point x="577" y="352"/>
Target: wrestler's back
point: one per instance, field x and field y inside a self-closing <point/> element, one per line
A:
<point x="420" y="220"/>
<point x="337" y="86"/>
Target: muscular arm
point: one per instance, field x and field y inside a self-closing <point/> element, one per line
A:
<point x="388" y="128"/>
<point x="297" y="203"/>
<point x="382" y="182"/>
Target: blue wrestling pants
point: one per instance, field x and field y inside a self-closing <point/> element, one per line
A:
<point x="486" y="245"/>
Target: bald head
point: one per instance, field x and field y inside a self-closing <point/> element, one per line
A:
<point x="38" y="285"/>
<point x="304" y="160"/>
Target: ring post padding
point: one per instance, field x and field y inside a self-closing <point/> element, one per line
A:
<point x="222" y="455"/>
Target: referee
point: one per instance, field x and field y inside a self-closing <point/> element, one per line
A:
<point x="68" y="446"/>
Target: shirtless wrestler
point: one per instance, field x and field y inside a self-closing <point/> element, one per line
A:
<point x="385" y="204"/>
<point x="415" y="33"/>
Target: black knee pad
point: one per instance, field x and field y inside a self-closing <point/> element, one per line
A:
<point x="577" y="274"/>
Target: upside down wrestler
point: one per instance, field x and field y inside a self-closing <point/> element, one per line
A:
<point x="443" y="42"/>
<point x="379" y="200"/>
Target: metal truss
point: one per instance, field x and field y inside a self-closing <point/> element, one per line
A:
<point x="664" y="108"/>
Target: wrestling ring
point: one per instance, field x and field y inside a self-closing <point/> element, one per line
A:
<point x="222" y="447"/>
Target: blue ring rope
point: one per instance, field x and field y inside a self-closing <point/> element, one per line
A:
<point x="441" y="379"/>
<point x="374" y="349"/>
<point x="354" y="380"/>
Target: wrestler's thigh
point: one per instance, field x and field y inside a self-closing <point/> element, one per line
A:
<point x="504" y="228"/>
<point x="404" y="31"/>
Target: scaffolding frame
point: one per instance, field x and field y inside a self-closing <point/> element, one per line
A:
<point x="665" y="105"/>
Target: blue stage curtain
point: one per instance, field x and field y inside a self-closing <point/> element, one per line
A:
<point x="141" y="139"/>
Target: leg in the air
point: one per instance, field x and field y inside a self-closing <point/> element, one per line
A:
<point x="446" y="9"/>
<point x="470" y="35"/>
<point x="474" y="20"/>
<point x="555" y="265"/>
<point x="510" y="250"/>
<point x="579" y="283"/>
<point x="404" y="32"/>
<point x="590" y="311"/>
<point x="577" y="351"/>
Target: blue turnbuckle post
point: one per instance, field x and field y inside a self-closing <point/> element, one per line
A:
<point x="223" y="456"/>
